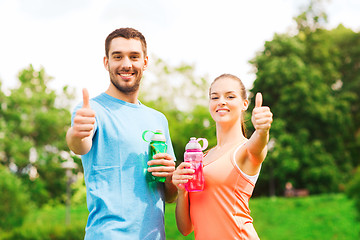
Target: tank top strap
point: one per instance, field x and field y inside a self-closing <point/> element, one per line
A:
<point x="252" y="178"/>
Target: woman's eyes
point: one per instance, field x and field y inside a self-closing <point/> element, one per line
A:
<point x="228" y="97"/>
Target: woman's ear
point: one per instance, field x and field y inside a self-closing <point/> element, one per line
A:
<point x="246" y="105"/>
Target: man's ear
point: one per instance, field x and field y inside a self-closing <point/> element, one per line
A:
<point x="146" y="60"/>
<point x="106" y="63"/>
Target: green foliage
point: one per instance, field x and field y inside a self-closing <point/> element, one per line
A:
<point x="49" y="224"/>
<point x="313" y="98"/>
<point x="32" y="132"/>
<point x="79" y="190"/>
<point x="44" y="232"/>
<point x="353" y="189"/>
<point x="14" y="199"/>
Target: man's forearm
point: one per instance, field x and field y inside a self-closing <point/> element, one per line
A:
<point x="170" y="191"/>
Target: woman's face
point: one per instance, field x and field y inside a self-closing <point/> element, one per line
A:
<point x="226" y="104"/>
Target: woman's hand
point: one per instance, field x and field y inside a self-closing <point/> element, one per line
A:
<point x="261" y="116"/>
<point x="182" y="175"/>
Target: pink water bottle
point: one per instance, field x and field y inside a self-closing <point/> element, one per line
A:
<point x="194" y="156"/>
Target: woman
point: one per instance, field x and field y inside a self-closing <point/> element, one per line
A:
<point x="231" y="168"/>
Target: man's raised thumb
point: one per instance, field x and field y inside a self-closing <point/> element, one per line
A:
<point x="86" y="101"/>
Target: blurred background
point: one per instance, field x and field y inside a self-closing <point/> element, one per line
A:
<point x="304" y="56"/>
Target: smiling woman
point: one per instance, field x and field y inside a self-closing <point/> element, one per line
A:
<point x="231" y="168"/>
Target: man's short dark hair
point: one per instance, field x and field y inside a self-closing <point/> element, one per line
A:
<point x="128" y="33"/>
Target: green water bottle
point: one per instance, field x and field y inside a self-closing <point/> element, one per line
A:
<point x="157" y="145"/>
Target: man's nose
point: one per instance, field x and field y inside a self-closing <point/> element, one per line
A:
<point x="126" y="64"/>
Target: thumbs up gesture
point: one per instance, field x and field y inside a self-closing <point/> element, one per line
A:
<point x="84" y="119"/>
<point x="261" y="116"/>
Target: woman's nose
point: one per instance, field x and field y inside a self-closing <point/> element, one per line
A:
<point x="222" y="102"/>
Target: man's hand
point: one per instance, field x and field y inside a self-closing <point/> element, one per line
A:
<point x="163" y="165"/>
<point x="84" y="119"/>
<point x="79" y="135"/>
<point x="166" y="169"/>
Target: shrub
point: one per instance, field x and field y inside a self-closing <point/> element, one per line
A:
<point x="48" y="232"/>
<point x="353" y="189"/>
<point x="14" y="199"/>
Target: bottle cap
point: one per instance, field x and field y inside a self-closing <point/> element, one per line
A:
<point x="193" y="144"/>
<point x="158" y="136"/>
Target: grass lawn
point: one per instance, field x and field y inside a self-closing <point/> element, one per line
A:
<point x="320" y="217"/>
<point x="327" y="217"/>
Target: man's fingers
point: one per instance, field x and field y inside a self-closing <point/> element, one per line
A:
<point x="84" y="118"/>
<point x="163" y="156"/>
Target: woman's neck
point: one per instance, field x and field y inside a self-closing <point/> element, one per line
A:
<point x="228" y="134"/>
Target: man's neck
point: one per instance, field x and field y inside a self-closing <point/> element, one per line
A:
<point x="127" y="97"/>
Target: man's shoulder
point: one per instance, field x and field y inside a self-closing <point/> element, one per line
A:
<point x="153" y="111"/>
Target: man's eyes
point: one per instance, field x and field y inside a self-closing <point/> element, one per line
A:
<point x="121" y="57"/>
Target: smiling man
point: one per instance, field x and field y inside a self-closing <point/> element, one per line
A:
<point x="107" y="132"/>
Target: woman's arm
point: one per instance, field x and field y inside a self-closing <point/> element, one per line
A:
<point x="256" y="147"/>
<point x="181" y="176"/>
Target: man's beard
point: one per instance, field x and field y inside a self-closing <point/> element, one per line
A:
<point x="127" y="89"/>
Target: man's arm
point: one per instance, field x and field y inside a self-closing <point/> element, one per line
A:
<point x="171" y="191"/>
<point x="79" y="136"/>
<point x="165" y="166"/>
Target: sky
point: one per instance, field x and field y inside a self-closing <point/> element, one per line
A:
<point x="66" y="37"/>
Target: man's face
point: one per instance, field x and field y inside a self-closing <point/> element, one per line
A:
<point x="126" y="63"/>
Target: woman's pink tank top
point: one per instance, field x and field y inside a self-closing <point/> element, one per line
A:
<point x="222" y="211"/>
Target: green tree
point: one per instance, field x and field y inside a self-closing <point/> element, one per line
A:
<point x="314" y="129"/>
<point x="33" y="127"/>
<point x="177" y="92"/>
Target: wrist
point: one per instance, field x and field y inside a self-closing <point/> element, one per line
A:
<point x="182" y="192"/>
<point x="263" y="132"/>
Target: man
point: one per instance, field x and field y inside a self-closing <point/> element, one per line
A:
<point x="107" y="131"/>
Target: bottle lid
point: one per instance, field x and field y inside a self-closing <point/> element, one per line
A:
<point x="158" y="136"/>
<point x="193" y="144"/>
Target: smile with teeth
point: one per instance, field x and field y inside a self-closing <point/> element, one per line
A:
<point x="222" y="110"/>
<point x="126" y="74"/>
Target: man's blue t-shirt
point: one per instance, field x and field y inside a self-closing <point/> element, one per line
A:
<point x="122" y="205"/>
